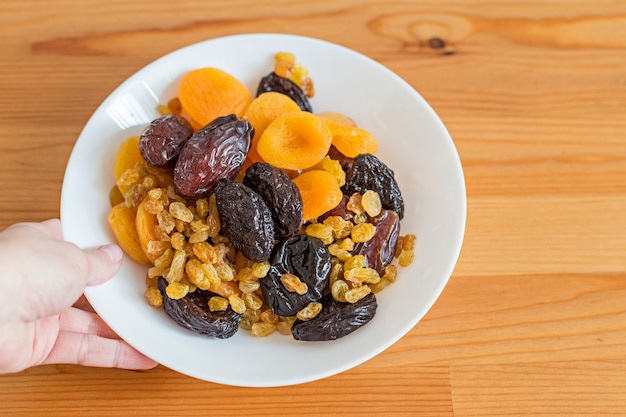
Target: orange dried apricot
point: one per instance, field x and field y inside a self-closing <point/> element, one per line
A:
<point x="122" y="222"/>
<point x="295" y="140"/>
<point x="208" y="93"/>
<point x="350" y="140"/>
<point x="145" y="223"/>
<point x="337" y="117"/>
<point x="320" y="193"/>
<point x="262" y="111"/>
<point x="127" y="156"/>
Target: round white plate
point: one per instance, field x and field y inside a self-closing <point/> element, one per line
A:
<point x="413" y="142"/>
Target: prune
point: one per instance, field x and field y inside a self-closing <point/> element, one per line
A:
<point x="305" y="257"/>
<point x="216" y="151"/>
<point x="370" y="173"/>
<point x="379" y="250"/>
<point x="336" y="319"/>
<point x="280" y="194"/>
<point x="192" y="312"/>
<point x="245" y="220"/>
<point x="274" y="82"/>
<point x="163" y="140"/>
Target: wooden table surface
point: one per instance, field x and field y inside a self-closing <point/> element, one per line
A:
<point x="533" y="320"/>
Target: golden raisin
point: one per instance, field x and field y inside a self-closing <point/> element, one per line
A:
<point x="310" y="311"/>
<point x="154" y="297"/>
<point x="293" y="284"/>
<point x="355" y="294"/>
<point x="320" y="231"/>
<point x="177" y="290"/>
<point x="262" y="329"/>
<point x="363" y="232"/>
<point x="371" y="203"/>
<point x="217" y="303"/>
<point x="237" y="304"/>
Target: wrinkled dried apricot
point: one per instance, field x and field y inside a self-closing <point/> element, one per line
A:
<point x="320" y="193"/>
<point x="145" y="223"/>
<point x="122" y="222"/>
<point x="337" y="117"/>
<point x="262" y="111"/>
<point x="295" y="140"/>
<point x="207" y="93"/>
<point x="351" y="140"/>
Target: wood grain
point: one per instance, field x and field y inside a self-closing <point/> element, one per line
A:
<point x="533" y="320"/>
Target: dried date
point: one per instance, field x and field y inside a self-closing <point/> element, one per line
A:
<point x="305" y="257"/>
<point x="370" y="173"/>
<point x="245" y="220"/>
<point x="214" y="152"/>
<point x="274" y="82"/>
<point x="379" y="250"/>
<point x="336" y="319"/>
<point x="280" y="194"/>
<point x="192" y="312"/>
<point x="161" y="143"/>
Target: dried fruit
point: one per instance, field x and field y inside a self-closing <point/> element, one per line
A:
<point x="216" y="151"/>
<point x="262" y="111"/>
<point x="161" y="143"/>
<point x="126" y="158"/>
<point x="308" y="259"/>
<point x="281" y="195"/>
<point x="122" y="222"/>
<point x="380" y="249"/>
<point x="193" y="313"/>
<point x="274" y="82"/>
<point x="320" y="193"/>
<point x="145" y="223"/>
<point x="370" y="173"/>
<point x="336" y="319"/>
<point x="295" y="140"/>
<point x="208" y="93"/>
<point x="351" y="140"/>
<point x="246" y="220"/>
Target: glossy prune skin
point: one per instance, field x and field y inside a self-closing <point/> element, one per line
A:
<point x="308" y="259"/>
<point x="280" y="194"/>
<point x="370" y="173"/>
<point x="336" y="319"/>
<point x="161" y="143"/>
<point x="216" y="151"/>
<point x="274" y="82"/>
<point x="192" y="312"/>
<point x="245" y="220"/>
<point x="380" y="249"/>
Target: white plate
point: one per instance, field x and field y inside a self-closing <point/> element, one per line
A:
<point x="413" y="142"/>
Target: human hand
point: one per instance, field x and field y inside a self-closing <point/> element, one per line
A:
<point x="42" y="278"/>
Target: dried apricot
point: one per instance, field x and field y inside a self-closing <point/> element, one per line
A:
<point x="320" y="193"/>
<point x="295" y="140"/>
<point x="337" y="117"/>
<point x="351" y="140"/>
<point x="122" y="222"/>
<point x="126" y="158"/>
<point x="145" y="223"/>
<point x="262" y="111"/>
<point x="208" y="93"/>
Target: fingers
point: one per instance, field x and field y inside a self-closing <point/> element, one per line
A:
<point x="102" y="263"/>
<point x="92" y="350"/>
<point x="79" y="321"/>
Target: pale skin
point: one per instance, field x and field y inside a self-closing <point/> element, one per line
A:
<point x="43" y="317"/>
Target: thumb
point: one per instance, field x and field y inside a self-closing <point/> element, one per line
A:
<point x="102" y="263"/>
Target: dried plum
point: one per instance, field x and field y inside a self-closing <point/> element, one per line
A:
<point x="192" y="312"/>
<point x="370" y="173"/>
<point x="216" y="151"/>
<point x="379" y="250"/>
<point x="245" y="220"/>
<point x="163" y="140"/>
<point x="280" y="194"/>
<point x="305" y="257"/>
<point x="274" y="82"/>
<point x="336" y="319"/>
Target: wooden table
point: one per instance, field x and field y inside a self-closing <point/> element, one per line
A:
<point x="533" y="320"/>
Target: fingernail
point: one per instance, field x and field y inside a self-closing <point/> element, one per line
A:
<point x="113" y="252"/>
